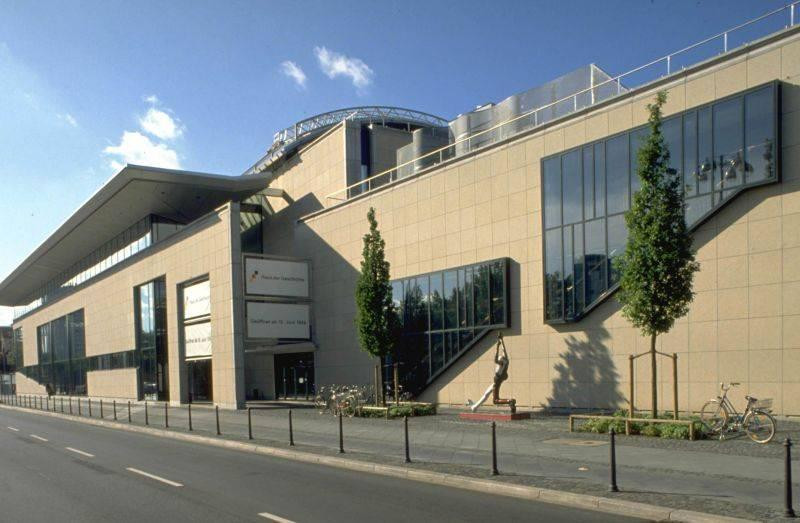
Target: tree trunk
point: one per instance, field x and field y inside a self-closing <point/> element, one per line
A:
<point x="654" y="371"/>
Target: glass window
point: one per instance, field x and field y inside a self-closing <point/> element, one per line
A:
<point x="599" y="179"/>
<point x="480" y="286"/>
<point x="588" y="183"/>
<point x="760" y="135"/>
<point x="437" y="302"/>
<point x="572" y="187"/>
<point x="704" y="152"/>
<point x="690" y="165"/>
<point x="450" y="299"/>
<point x="553" y="276"/>
<point x="60" y="337"/>
<point x="498" y="293"/>
<point x="617" y="238"/>
<point x="552" y="192"/>
<point x="617" y="175"/>
<point x="437" y="351"/>
<point x="728" y="148"/>
<point x="578" y="270"/>
<point x="595" y="259"/>
<point x="673" y="140"/>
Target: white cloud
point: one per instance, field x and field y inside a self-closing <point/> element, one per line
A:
<point x="152" y="99"/>
<point x="136" y="148"/>
<point x="335" y="64"/>
<point x="293" y="71"/>
<point x="160" y="124"/>
<point x="66" y="117"/>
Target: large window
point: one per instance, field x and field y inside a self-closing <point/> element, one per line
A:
<point x="151" y="338"/>
<point x="442" y="313"/>
<point x="60" y="348"/>
<point x="717" y="150"/>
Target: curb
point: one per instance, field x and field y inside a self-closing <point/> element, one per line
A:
<point x="585" y="501"/>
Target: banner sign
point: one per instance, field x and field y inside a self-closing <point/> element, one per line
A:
<point x="197" y="339"/>
<point x="267" y="277"/>
<point x="197" y="300"/>
<point x="278" y="320"/>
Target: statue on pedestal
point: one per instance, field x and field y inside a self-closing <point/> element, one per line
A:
<point x="500" y="375"/>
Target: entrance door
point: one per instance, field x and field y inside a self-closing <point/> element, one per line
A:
<point x="294" y="375"/>
<point x="151" y="339"/>
<point x="199" y="380"/>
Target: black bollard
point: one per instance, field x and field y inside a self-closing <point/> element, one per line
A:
<point x="291" y="430"/>
<point x="129" y="412"/>
<point x="341" y="435"/>
<point x="79" y="407"/>
<point x="101" y="409"/>
<point x="216" y="411"/>
<point x="494" y="449"/>
<point x="788" y="510"/>
<point x="405" y="428"/>
<point x="47" y="403"/>
<point x="146" y="415"/>
<point x="62" y="404"/>
<point x="190" y="417"/>
<point x="70" y="404"/>
<point x="90" y="407"/>
<point x="249" y="425"/>
<point x="166" y="415"/>
<point x="114" y="406"/>
<point x="612" y="487"/>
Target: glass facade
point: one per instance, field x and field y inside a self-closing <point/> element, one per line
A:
<point x="442" y="313"/>
<point x="150" y="302"/>
<point x="717" y="150"/>
<point x="62" y="360"/>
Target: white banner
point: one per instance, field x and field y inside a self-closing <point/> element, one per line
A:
<point x="197" y="339"/>
<point x="265" y="277"/>
<point x="278" y="320"/>
<point x="197" y="300"/>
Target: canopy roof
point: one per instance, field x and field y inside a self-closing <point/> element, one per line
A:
<point x="132" y="194"/>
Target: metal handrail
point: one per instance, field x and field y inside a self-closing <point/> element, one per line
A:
<point x="574" y="97"/>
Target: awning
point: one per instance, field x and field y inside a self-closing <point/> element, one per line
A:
<point x="132" y="194"/>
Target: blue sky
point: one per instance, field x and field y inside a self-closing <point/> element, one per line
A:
<point x="87" y="85"/>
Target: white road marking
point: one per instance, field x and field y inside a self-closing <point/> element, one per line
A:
<point x="38" y="437"/>
<point x="153" y="476"/>
<point x="82" y="453"/>
<point x="12" y="428"/>
<point x="276" y="519"/>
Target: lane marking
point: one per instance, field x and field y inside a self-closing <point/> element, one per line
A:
<point x="273" y="517"/>
<point x="82" y="453"/>
<point x="38" y="437"/>
<point x="153" y="476"/>
<point x="12" y="428"/>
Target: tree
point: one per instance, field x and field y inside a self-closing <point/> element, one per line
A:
<point x="376" y="318"/>
<point x="658" y="265"/>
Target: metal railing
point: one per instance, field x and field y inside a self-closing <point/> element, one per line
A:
<point x="578" y="100"/>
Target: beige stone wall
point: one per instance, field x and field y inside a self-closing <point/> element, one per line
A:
<point x="203" y="248"/>
<point x="744" y="324"/>
<point x="117" y="383"/>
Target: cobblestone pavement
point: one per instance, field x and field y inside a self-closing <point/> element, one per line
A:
<point x="733" y="477"/>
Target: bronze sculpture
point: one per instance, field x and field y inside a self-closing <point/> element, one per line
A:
<point x="500" y="375"/>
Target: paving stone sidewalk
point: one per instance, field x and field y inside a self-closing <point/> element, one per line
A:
<point x="735" y="477"/>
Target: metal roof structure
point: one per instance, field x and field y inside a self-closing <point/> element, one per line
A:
<point x="292" y="137"/>
<point x="133" y="193"/>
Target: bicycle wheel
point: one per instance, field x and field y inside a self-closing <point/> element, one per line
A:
<point x="759" y="425"/>
<point x="714" y="416"/>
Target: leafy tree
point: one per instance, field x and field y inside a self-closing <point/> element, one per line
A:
<point x="376" y="319"/>
<point x="658" y="265"/>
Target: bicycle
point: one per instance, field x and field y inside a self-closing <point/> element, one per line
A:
<point x="720" y="416"/>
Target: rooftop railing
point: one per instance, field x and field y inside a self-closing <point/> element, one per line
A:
<point x="705" y="49"/>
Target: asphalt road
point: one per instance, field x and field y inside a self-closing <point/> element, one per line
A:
<point x="57" y="470"/>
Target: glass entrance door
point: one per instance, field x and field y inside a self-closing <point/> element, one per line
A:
<point x="199" y="380"/>
<point x="294" y="376"/>
<point x="151" y="339"/>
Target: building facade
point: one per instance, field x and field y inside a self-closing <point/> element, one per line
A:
<point x="191" y="287"/>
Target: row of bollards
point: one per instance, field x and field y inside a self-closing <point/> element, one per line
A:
<point x="39" y="403"/>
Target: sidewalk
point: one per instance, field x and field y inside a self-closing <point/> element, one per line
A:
<point x="735" y="477"/>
